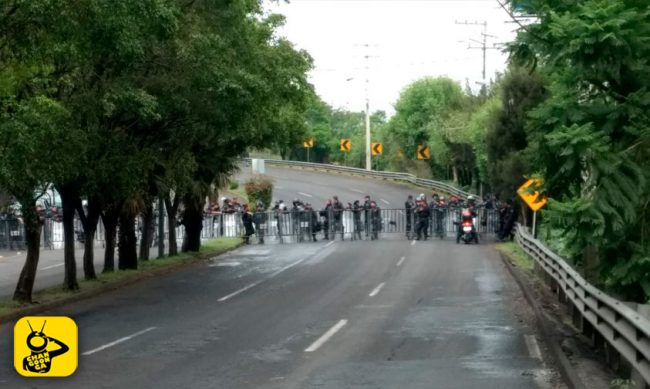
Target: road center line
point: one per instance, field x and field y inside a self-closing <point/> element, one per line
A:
<point x="385" y="202"/>
<point x="121" y="340"/>
<point x="533" y="347"/>
<point x="329" y="244"/>
<point x="254" y="284"/>
<point x="326" y="336"/>
<point x="305" y="194"/>
<point x="357" y="190"/>
<point x="413" y="243"/>
<point x="242" y="290"/>
<point x="401" y="260"/>
<point x="377" y="290"/>
<point x="53" y="266"/>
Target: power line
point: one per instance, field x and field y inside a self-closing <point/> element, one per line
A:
<point x="482" y="44"/>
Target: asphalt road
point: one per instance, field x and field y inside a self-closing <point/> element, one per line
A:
<point x="382" y="314"/>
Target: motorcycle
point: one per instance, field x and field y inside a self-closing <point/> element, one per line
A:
<point x="468" y="230"/>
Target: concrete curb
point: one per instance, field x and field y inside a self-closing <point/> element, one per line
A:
<point x="84" y="295"/>
<point x="566" y="369"/>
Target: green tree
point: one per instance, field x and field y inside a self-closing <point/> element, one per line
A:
<point x="519" y="92"/>
<point x="590" y="139"/>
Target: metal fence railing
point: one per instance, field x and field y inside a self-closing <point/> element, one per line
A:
<point x="297" y="225"/>
<point x="623" y="329"/>
<point x="286" y="226"/>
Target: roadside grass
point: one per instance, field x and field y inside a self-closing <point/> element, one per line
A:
<point x="517" y="256"/>
<point x="150" y="268"/>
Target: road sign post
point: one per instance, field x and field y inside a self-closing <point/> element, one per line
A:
<point x="529" y="193"/>
<point x="308" y="144"/>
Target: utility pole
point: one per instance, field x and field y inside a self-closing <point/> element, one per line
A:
<point x="368" y="155"/>
<point x="482" y="44"/>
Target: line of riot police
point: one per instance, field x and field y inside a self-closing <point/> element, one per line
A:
<point x="419" y="218"/>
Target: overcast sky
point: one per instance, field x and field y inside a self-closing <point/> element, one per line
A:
<point x="407" y="40"/>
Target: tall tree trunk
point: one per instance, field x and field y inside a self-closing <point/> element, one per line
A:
<point x="172" y="210"/>
<point x="89" y="222"/>
<point x="127" y="241"/>
<point x="25" y="286"/>
<point x="69" y="198"/>
<point x="193" y="222"/>
<point x="454" y="170"/>
<point x="110" y="218"/>
<point x="147" y="231"/>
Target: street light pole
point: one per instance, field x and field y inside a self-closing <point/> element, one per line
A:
<point x="368" y="156"/>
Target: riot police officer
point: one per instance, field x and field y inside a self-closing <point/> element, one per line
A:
<point x="409" y="206"/>
<point x="423" y="215"/>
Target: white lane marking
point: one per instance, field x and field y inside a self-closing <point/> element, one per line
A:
<point x="326" y="336"/>
<point x="225" y="264"/>
<point x="377" y="290"/>
<point x="533" y="347"/>
<point x="413" y="243"/>
<point x="18" y="253"/>
<point x="242" y="290"/>
<point x="53" y="266"/>
<point x="329" y="244"/>
<point x="385" y="202"/>
<point x="305" y="194"/>
<point x="357" y="190"/>
<point x="254" y="284"/>
<point x="401" y="260"/>
<point x="121" y="340"/>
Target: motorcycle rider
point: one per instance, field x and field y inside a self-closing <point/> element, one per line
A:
<point x="409" y="207"/>
<point x="470" y="205"/>
<point x="375" y="220"/>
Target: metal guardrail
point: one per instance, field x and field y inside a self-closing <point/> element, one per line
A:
<point x="621" y="326"/>
<point x="394" y="176"/>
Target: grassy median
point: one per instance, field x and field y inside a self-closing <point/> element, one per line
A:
<point x="107" y="281"/>
<point x="517" y="256"/>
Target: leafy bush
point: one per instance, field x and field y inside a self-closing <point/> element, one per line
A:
<point x="260" y="188"/>
<point x="234" y="185"/>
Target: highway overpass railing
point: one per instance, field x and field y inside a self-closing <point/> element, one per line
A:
<point x="623" y="332"/>
<point x="393" y="176"/>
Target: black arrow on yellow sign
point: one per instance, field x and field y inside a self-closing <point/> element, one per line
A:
<point x="377" y="149"/>
<point x="346" y="145"/>
<point x="423" y="152"/>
